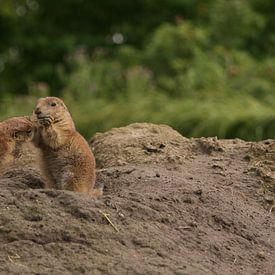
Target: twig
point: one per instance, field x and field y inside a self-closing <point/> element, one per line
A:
<point x="106" y="216"/>
<point x="16" y="256"/>
<point x="272" y="207"/>
<point x="235" y="260"/>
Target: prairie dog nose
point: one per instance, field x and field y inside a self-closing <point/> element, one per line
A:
<point x="37" y="111"/>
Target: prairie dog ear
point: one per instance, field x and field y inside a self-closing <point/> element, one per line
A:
<point x="64" y="106"/>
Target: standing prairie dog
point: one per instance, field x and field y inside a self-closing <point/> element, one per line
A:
<point x="67" y="160"/>
<point x="13" y="133"/>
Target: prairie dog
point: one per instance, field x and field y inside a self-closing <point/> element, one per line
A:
<point x="13" y="132"/>
<point x="67" y="160"/>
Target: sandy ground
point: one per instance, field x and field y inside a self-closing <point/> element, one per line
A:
<point x="171" y="205"/>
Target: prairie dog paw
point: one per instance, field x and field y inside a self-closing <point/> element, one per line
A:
<point x="45" y="121"/>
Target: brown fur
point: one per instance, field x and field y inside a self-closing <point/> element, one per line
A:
<point x="13" y="132"/>
<point x="67" y="160"/>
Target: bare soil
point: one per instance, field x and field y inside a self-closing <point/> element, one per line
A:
<point x="171" y="205"/>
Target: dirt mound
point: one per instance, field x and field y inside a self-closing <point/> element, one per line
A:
<point x="203" y="213"/>
<point x="139" y="143"/>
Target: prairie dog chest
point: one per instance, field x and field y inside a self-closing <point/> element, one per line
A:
<point x="60" y="158"/>
<point x="60" y="165"/>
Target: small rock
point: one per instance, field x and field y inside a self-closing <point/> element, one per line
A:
<point x="261" y="254"/>
<point x="198" y="192"/>
<point x="269" y="198"/>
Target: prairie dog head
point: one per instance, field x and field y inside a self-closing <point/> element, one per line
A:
<point x="18" y="128"/>
<point x="52" y="110"/>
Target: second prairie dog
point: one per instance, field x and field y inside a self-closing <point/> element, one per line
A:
<point x="67" y="160"/>
<point x="13" y="132"/>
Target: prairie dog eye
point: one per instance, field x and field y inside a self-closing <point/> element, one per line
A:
<point x="28" y="131"/>
<point x="53" y="104"/>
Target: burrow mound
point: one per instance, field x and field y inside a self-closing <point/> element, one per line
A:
<point x="139" y="143"/>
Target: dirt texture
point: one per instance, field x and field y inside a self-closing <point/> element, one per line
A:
<point x="171" y="205"/>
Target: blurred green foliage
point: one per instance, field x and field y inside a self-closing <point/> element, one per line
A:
<point x="207" y="68"/>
